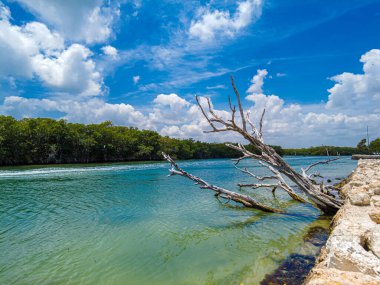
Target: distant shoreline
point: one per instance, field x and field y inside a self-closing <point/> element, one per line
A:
<point x="137" y="161"/>
<point x="42" y="141"/>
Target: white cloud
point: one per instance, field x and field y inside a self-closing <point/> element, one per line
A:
<point x="20" y="107"/>
<point x="219" y="86"/>
<point x="353" y="104"/>
<point x="171" y="109"/>
<point x="175" y="102"/>
<point x="211" y="24"/>
<point x="71" y="71"/>
<point x="96" y="111"/>
<point x="34" y="51"/>
<point x="257" y="82"/>
<point x="5" y="13"/>
<point x="47" y="41"/>
<point x="90" y="111"/>
<point x="136" y="79"/>
<point x="16" y="49"/>
<point x="171" y="131"/>
<point x="110" y="51"/>
<point x="177" y="117"/>
<point x="87" y="21"/>
<point x="358" y="92"/>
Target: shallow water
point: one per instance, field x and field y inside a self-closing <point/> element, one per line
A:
<point x="131" y="224"/>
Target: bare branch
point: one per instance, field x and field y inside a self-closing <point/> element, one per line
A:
<point x="246" y="153"/>
<point x="259" y="178"/>
<point x="239" y="104"/>
<point x="260" y="185"/>
<point x="282" y="183"/>
<point x="261" y="125"/>
<point x="217" y="130"/>
<point x="304" y="171"/>
<point x="247" y="201"/>
<point x="254" y="129"/>
<point x="204" y="113"/>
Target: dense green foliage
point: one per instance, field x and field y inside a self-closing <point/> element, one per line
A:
<point x="374" y="146"/>
<point x="362" y="145"/>
<point x="361" y="148"/>
<point x="42" y="140"/>
<point x="322" y="150"/>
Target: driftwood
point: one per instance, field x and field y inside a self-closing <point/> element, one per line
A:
<point x="247" y="201"/>
<point x="319" y="194"/>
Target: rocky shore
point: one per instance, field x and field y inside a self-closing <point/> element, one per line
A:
<point x="352" y="252"/>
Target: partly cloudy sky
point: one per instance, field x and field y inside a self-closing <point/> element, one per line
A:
<point x="314" y="65"/>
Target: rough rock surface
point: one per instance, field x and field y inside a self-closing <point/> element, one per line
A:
<point x="352" y="252"/>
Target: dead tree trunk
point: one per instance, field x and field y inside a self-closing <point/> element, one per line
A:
<point x="220" y="192"/>
<point x="320" y="195"/>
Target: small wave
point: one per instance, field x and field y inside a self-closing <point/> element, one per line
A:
<point x="77" y="170"/>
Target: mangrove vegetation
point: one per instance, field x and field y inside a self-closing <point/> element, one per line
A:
<point x="44" y="140"/>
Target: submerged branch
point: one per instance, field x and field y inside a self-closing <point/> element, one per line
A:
<point x="245" y="200"/>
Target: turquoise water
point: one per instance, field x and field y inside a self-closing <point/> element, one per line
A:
<point x="131" y="224"/>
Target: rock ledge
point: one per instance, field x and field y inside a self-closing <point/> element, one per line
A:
<point x="352" y="252"/>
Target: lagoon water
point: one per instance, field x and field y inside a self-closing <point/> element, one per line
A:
<point x="131" y="224"/>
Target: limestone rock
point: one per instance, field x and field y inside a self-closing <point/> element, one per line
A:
<point x="359" y="198"/>
<point x="352" y="252"/>
<point x="331" y="276"/>
<point x="371" y="241"/>
<point x="375" y="188"/>
<point x="375" y="201"/>
<point x="375" y="215"/>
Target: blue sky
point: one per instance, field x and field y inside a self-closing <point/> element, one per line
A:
<point x="314" y="65"/>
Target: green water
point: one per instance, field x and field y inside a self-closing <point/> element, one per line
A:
<point x="131" y="224"/>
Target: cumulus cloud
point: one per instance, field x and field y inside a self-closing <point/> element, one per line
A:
<point x="88" y="111"/>
<point x="175" y="102"/>
<point x="18" y="48"/>
<point x="353" y="104"/>
<point x="88" y="21"/>
<point x="257" y="82"/>
<point x="110" y="51"/>
<point x="171" y="109"/>
<point x="358" y="92"/>
<point x="71" y="71"/>
<point x="213" y="23"/>
<point x="34" y="51"/>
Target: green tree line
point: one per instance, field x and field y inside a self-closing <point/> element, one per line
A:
<point x="44" y="140"/>
<point x="361" y="148"/>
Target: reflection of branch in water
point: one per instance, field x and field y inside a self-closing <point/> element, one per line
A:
<point x="242" y="224"/>
<point x="277" y="202"/>
<point x="179" y="242"/>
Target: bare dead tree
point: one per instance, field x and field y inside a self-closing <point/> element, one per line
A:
<point x="318" y="194"/>
<point x="220" y="192"/>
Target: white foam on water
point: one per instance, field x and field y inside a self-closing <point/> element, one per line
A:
<point x="77" y="170"/>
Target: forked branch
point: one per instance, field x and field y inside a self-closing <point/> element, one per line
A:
<point x="281" y="183"/>
<point x="245" y="200"/>
<point x="307" y="169"/>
